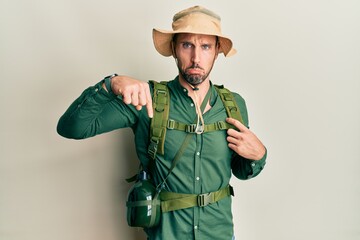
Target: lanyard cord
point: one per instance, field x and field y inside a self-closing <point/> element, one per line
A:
<point x="199" y="128"/>
<point x="199" y="112"/>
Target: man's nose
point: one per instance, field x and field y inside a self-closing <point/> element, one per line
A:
<point x="196" y="56"/>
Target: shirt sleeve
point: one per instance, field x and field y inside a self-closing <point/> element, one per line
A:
<point x="94" y="112"/>
<point x="244" y="168"/>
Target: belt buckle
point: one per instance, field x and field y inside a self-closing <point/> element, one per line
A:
<point x="204" y="199"/>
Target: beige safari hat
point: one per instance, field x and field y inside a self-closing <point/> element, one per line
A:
<point x="197" y="20"/>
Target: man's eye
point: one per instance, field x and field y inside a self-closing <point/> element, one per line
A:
<point x="206" y="46"/>
<point x="187" y="45"/>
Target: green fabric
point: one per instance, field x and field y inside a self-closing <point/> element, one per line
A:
<point x="205" y="166"/>
<point x="229" y="103"/>
<point x="158" y="126"/>
<point x="171" y="201"/>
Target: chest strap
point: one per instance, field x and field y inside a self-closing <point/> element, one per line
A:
<point x="171" y="201"/>
<point x="191" y="128"/>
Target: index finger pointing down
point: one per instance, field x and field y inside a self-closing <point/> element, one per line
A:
<point x="149" y="106"/>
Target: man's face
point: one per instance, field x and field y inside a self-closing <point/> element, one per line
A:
<point x="195" y="55"/>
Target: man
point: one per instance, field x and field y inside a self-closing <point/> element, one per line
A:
<point x="206" y="164"/>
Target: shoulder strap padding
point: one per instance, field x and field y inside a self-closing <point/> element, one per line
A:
<point x="229" y="102"/>
<point x="161" y="102"/>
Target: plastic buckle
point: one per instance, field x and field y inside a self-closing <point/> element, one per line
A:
<point x="190" y="128"/>
<point x="153" y="147"/>
<point x="204" y="199"/>
<point x="170" y="124"/>
<point x="194" y="128"/>
<point x="221" y="125"/>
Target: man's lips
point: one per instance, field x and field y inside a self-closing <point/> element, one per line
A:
<point x="194" y="71"/>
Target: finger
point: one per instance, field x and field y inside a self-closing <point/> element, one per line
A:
<point x="232" y="140"/>
<point x="126" y="97"/>
<point x="142" y="97"/>
<point x="237" y="124"/>
<point x="234" y="133"/>
<point x="135" y="98"/>
<point x="232" y="146"/>
<point x="149" y="106"/>
<point x="138" y="107"/>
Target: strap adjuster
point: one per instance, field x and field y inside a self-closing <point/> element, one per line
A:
<point x="194" y="128"/>
<point x="190" y="128"/>
<point x="205" y="199"/>
<point x="221" y="125"/>
<point x="170" y="124"/>
<point x="152" y="149"/>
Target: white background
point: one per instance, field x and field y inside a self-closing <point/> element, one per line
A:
<point x="298" y="67"/>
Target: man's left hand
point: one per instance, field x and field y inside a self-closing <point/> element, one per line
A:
<point x="244" y="142"/>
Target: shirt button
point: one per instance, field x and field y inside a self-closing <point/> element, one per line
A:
<point x="197" y="178"/>
<point x="196" y="227"/>
<point x="184" y="89"/>
<point x="96" y="89"/>
<point x="191" y="104"/>
<point x="198" y="153"/>
<point x="253" y="164"/>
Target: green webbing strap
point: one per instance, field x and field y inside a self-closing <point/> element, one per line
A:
<point x="229" y="102"/>
<point x="161" y="101"/>
<point x="230" y="105"/>
<point x="161" y="121"/>
<point x="145" y="203"/>
<point x="190" y="128"/>
<point x="171" y="201"/>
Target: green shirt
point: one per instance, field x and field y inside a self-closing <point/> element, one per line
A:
<point x="205" y="166"/>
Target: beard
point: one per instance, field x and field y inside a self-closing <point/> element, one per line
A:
<point x="193" y="79"/>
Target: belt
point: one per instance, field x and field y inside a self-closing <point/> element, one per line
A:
<point x="171" y="201"/>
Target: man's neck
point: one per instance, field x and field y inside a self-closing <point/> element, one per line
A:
<point x="202" y="88"/>
<point x="201" y="92"/>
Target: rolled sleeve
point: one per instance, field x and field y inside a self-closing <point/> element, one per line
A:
<point x="245" y="169"/>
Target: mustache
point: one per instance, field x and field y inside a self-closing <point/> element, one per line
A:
<point x="195" y="66"/>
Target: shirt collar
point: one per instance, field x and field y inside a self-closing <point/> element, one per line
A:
<point x="176" y="86"/>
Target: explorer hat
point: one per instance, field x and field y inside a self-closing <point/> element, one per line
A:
<point x="197" y="20"/>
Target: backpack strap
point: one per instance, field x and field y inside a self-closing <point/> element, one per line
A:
<point x="191" y="128"/>
<point x="232" y="111"/>
<point x="161" y="105"/>
<point x="161" y="121"/>
<point x="172" y="201"/>
<point x="229" y="102"/>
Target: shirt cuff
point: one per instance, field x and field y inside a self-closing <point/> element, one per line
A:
<point x="257" y="165"/>
<point x="101" y="95"/>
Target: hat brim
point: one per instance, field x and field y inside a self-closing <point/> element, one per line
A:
<point x="162" y="42"/>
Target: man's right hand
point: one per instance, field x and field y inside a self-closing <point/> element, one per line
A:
<point x="133" y="91"/>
